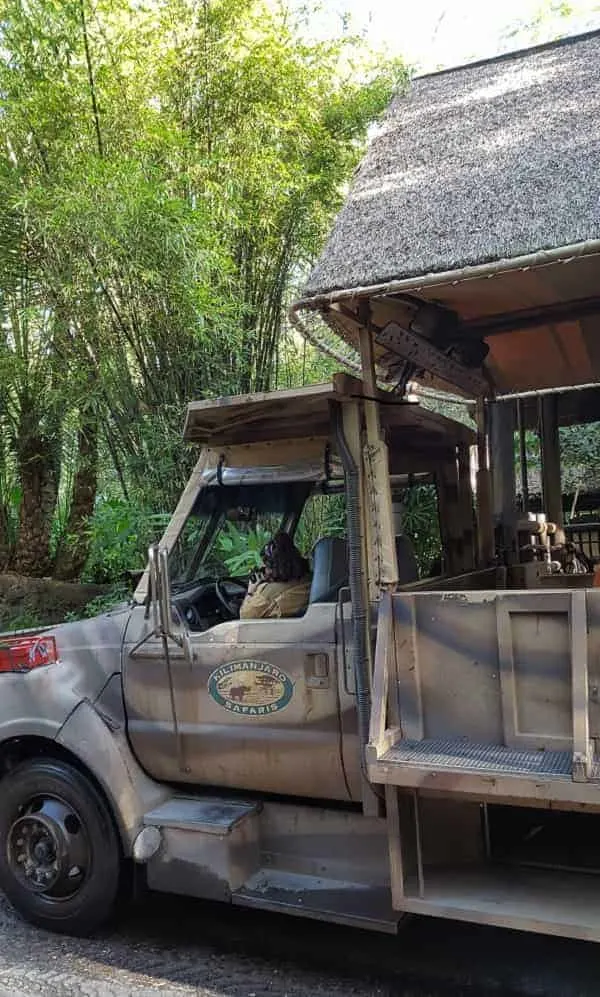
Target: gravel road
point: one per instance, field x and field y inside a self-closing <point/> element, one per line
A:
<point x="182" y="948"/>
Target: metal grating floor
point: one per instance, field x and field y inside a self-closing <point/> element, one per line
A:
<point x="462" y="755"/>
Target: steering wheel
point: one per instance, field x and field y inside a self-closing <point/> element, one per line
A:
<point x="230" y="601"/>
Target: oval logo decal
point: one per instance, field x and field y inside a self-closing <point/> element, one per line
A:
<point x="250" y="688"/>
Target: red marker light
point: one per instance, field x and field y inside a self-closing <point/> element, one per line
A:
<point x="22" y="654"/>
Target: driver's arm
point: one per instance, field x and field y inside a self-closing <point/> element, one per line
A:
<point x="257" y="605"/>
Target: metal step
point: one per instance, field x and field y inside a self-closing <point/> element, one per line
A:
<point x="209" y="815"/>
<point x="320" y="898"/>
<point x="208" y="846"/>
<point x="462" y="755"/>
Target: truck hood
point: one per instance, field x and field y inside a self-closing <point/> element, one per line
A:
<point x="38" y="700"/>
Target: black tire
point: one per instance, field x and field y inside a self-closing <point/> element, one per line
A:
<point x="56" y="828"/>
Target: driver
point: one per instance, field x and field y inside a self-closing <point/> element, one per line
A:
<point x="282" y="587"/>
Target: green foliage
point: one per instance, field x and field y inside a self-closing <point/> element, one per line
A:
<point x="25" y="619"/>
<point x="240" y="550"/>
<point x="322" y="516"/>
<point x="119" y="593"/>
<point x="167" y="172"/>
<point x="580" y="457"/>
<point x="120" y="535"/>
<point x="299" y="362"/>
<point x="421" y="524"/>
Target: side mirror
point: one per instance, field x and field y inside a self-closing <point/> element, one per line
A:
<point x="160" y="590"/>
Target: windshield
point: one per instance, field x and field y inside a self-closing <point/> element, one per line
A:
<point x="228" y="527"/>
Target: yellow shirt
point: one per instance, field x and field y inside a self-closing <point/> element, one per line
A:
<point x="276" y="600"/>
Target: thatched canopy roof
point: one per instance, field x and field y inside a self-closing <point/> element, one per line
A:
<point x="493" y="160"/>
<point x="493" y="167"/>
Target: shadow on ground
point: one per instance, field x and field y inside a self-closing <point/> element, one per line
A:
<point x="428" y="956"/>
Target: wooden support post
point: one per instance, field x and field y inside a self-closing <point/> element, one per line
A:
<point x="353" y="432"/>
<point x="395" y="844"/>
<point x="465" y="502"/>
<point x="451" y="521"/>
<point x="580" y="695"/>
<point x="502" y="446"/>
<point x="383" y="568"/>
<point x="370" y="388"/>
<point x="367" y="357"/>
<point x="406" y="873"/>
<point x="550" y="447"/>
<point x="381" y="737"/>
<point x="485" y="528"/>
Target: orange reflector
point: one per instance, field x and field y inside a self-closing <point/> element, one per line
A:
<point x="22" y="654"/>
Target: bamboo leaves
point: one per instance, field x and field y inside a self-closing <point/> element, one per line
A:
<point x="166" y="172"/>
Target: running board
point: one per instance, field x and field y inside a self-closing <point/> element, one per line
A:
<point x="319" y="898"/>
<point x="209" y="846"/>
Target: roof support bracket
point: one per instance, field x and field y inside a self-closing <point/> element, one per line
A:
<point x="408" y="345"/>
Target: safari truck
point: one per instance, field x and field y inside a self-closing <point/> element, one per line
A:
<point x="402" y="745"/>
<point x="421" y="739"/>
<point x="226" y="757"/>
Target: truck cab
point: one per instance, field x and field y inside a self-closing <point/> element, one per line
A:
<point x="266" y="705"/>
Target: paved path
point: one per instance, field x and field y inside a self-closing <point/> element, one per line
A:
<point x="181" y="948"/>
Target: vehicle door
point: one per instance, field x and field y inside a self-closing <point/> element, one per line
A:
<point x="258" y="706"/>
<point x="247" y="704"/>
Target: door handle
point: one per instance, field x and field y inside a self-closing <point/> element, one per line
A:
<point x="317" y="670"/>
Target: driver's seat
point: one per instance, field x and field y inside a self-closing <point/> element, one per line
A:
<point x="330" y="569"/>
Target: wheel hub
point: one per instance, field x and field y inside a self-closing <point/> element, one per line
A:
<point x="47" y="848"/>
<point x="36" y="848"/>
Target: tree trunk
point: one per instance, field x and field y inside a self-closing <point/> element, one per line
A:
<point x="73" y="551"/>
<point x="37" y="472"/>
<point x="6" y="536"/>
<point x="4" y="539"/>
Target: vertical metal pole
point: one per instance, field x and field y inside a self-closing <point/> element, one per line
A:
<point x="419" y="845"/>
<point x="550" y="454"/>
<point x="486" y="831"/>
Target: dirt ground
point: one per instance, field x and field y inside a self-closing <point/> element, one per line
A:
<point x="33" y="601"/>
<point x="183" y="948"/>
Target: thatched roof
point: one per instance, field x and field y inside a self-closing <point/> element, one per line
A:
<point x="494" y="160"/>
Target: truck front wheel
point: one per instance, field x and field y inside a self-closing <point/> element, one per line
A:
<point x="59" y="852"/>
